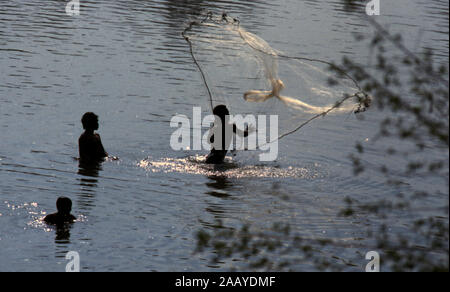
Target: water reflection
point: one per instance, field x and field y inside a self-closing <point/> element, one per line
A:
<point x="219" y="185"/>
<point x="62" y="240"/>
<point x="89" y="169"/>
<point x="63" y="234"/>
<point x="218" y="202"/>
<point x="88" y="183"/>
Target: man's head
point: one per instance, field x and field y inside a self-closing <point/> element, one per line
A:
<point x="90" y="121"/>
<point x="64" y="205"/>
<point x="221" y="111"/>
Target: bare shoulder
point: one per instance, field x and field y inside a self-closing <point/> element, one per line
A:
<point x="89" y="137"/>
<point x="86" y="137"/>
<point x="50" y="219"/>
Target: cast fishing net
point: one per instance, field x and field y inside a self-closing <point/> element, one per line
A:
<point x="243" y="72"/>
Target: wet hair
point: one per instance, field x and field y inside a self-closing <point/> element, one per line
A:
<point x="221" y="111"/>
<point x="64" y="205"/>
<point x="90" y="121"/>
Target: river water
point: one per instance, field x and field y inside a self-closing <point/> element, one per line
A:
<point x="127" y="62"/>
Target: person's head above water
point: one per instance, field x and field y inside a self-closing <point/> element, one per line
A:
<point x="90" y="121"/>
<point x="221" y="111"/>
<point x="64" y="205"/>
<point x="63" y="216"/>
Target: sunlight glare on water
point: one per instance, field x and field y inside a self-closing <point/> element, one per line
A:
<point x="195" y="165"/>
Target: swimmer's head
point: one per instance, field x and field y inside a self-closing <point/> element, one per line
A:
<point x="221" y="111"/>
<point x="64" y="205"/>
<point x="90" y="121"/>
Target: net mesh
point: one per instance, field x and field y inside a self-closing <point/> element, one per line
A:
<point x="243" y="72"/>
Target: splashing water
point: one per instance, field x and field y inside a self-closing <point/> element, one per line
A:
<point x="196" y="165"/>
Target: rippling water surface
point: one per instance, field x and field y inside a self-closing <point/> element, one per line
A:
<point x="127" y="62"/>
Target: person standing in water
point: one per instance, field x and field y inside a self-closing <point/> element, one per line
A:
<point x="63" y="216"/>
<point x="90" y="145"/>
<point x="217" y="156"/>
